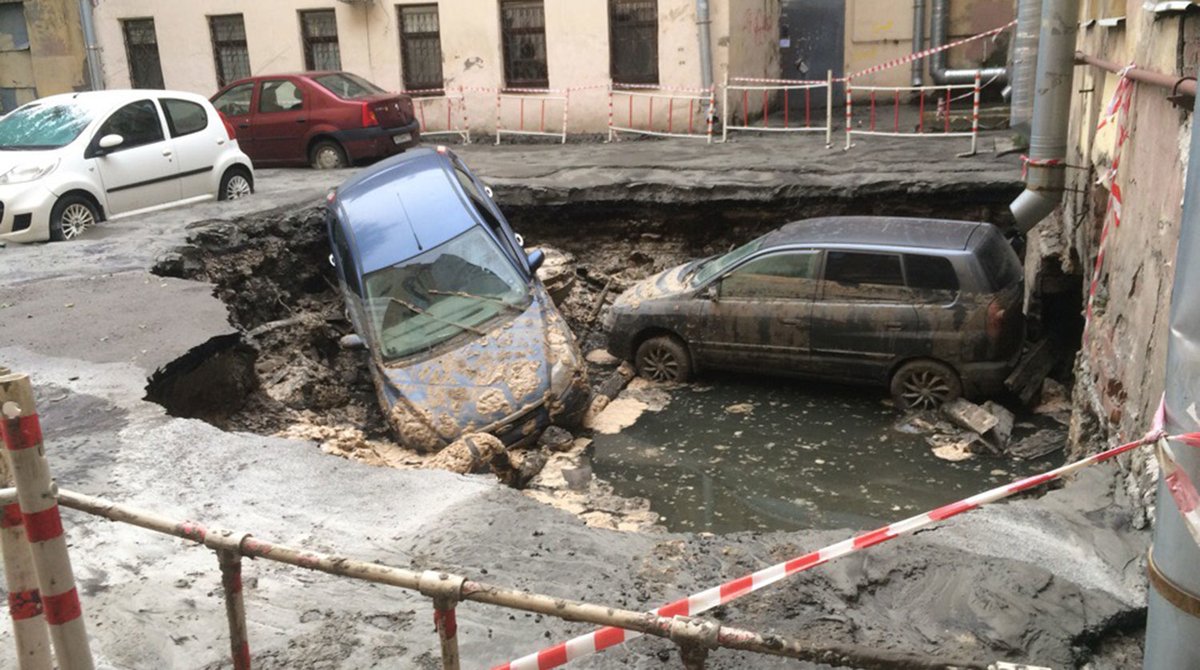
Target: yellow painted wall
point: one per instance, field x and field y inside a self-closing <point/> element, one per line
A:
<point x="744" y="32"/>
<point x="55" y="60"/>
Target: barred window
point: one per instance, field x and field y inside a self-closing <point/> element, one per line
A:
<point x="319" y="29"/>
<point x="229" y="48"/>
<point x="420" y="46"/>
<point x="633" y="41"/>
<point x="141" y="49"/>
<point x="523" y="29"/>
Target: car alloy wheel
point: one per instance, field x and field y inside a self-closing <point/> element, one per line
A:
<point x="925" y="385"/>
<point x="75" y="219"/>
<point x="237" y="187"/>
<point x="663" y="359"/>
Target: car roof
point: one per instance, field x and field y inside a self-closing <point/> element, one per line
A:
<point x="403" y="206"/>
<point x="114" y="97"/>
<point x="308" y="74"/>
<point x="893" y="231"/>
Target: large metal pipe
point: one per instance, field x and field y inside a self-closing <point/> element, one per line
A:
<point x="918" y="43"/>
<point x="1051" y="112"/>
<point x="1023" y="72"/>
<point x="702" y="25"/>
<point x="939" y="69"/>
<point x="95" y="72"/>
<point x="1171" y="633"/>
<point x="1183" y="86"/>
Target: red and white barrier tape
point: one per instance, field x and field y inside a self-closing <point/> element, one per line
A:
<point x="1117" y="110"/>
<point x="1179" y="484"/>
<point x="607" y="637"/>
<point x="781" y="82"/>
<point x="897" y="62"/>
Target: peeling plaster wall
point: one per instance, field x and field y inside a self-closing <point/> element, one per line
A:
<point x="1120" y="370"/>
<point x="55" y="61"/>
<point x="881" y="30"/>
<point x="744" y="35"/>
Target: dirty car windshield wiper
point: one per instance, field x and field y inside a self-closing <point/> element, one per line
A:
<point x="464" y="294"/>
<point x="424" y="312"/>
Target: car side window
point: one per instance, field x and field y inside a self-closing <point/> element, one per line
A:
<point x="137" y="123"/>
<point x="345" y="262"/>
<point x="932" y="278"/>
<point x="786" y="276"/>
<point x="235" y="101"/>
<point x="183" y="117"/>
<point x="479" y="201"/>
<point x="856" y="276"/>
<point x="279" y="95"/>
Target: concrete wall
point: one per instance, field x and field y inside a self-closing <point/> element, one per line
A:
<point x="881" y="30"/>
<point x="1120" y="371"/>
<point x="54" y="62"/>
<point x="744" y="33"/>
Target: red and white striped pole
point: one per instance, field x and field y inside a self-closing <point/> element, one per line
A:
<point x="712" y="110"/>
<point x="566" y="113"/>
<point x="610" y="111"/>
<point x="36" y="495"/>
<point x="975" y="114"/>
<point x="849" y="113"/>
<point x="498" y="101"/>
<point x="24" y="600"/>
<point x="466" y="121"/>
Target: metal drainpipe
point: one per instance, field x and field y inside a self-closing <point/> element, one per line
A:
<point x="939" y="35"/>
<point x="702" y="25"/>
<point x="1024" y="64"/>
<point x="918" y="43"/>
<point x="1171" y="633"/>
<point x="1051" y="112"/>
<point x="95" y="72"/>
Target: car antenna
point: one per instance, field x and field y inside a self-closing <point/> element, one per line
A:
<point x="408" y="220"/>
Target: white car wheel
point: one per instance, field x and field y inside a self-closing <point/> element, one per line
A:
<point x="238" y="187"/>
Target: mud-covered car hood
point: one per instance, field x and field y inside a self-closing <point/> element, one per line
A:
<point x="495" y="377"/>
<point x="668" y="283"/>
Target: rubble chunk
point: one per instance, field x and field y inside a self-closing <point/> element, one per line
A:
<point x="1026" y="378"/>
<point x="970" y="416"/>
<point x="472" y="452"/>
<point x="1041" y="443"/>
<point x="601" y="357"/>
<point x="1001" y="433"/>
<point x="557" y="439"/>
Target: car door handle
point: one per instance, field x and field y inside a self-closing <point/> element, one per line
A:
<point x="167" y="153"/>
<point x="301" y="120"/>
<point x="895" y="325"/>
<point x="243" y="125"/>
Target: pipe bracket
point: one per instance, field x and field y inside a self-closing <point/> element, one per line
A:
<point x="443" y="587"/>
<point x="1181" y="599"/>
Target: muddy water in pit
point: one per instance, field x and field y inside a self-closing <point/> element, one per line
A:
<point x="805" y="456"/>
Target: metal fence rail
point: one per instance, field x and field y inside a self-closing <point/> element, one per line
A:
<point x="434" y="105"/>
<point x="943" y="97"/>
<point x="781" y="91"/>
<point x="698" y="104"/>
<point x="532" y="102"/>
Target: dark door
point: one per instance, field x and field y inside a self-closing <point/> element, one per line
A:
<point x="864" y="318"/>
<point x="759" y="318"/>
<point x="280" y="121"/>
<point x="812" y="37"/>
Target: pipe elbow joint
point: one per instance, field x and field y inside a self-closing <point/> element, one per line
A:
<point x="1031" y="207"/>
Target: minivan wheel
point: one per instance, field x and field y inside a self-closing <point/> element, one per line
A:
<point x="235" y="183"/>
<point x="71" y="215"/>
<point x="663" y="359"/>
<point x="327" y="155"/>
<point x="924" y="385"/>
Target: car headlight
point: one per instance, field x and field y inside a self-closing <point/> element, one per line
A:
<point x="29" y="172"/>
<point x="562" y="373"/>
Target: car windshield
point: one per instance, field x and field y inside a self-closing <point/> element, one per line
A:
<point x="714" y="267"/>
<point x="38" y="126"/>
<point x="457" y="287"/>
<point x="347" y="86"/>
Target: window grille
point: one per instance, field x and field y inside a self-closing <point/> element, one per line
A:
<point x="319" y="30"/>
<point x="523" y="29"/>
<point x="420" y="46"/>
<point x="229" y="48"/>
<point x="633" y="41"/>
<point x="141" y="50"/>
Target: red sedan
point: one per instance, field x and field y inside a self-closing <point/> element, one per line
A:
<point x="323" y="119"/>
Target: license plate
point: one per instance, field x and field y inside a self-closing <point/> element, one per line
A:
<point x="402" y="138"/>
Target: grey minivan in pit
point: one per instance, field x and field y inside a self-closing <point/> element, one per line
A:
<point x="930" y="308"/>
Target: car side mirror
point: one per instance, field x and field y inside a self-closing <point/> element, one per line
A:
<point x="536" y="258"/>
<point x="111" y="141"/>
<point x="712" y="292"/>
<point x="352" y="341"/>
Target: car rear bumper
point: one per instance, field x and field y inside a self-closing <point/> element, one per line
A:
<point x="985" y="379"/>
<point x="25" y="213"/>
<point x="377" y="142"/>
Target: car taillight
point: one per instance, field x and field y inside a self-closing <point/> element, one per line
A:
<point x="368" y="116"/>
<point x="995" y="321"/>
<point x="228" y="126"/>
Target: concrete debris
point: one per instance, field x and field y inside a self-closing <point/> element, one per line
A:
<point x="740" y="408"/>
<point x="616" y="382"/>
<point x="601" y="357"/>
<point x="557" y="273"/>
<point x="566" y="482"/>
<point x="1055" y="401"/>
<point x="1000" y="434"/>
<point x="969" y="415"/>
<point x="1041" y="443"/>
<point x="955" y="451"/>
<point x="555" y="438"/>
<point x="517" y="467"/>
<point x="1026" y="378"/>
<point x="472" y="452"/>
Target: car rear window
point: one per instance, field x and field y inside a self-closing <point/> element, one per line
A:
<point x="183" y="117"/>
<point x="235" y="101"/>
<point x="347" y="86"/>
<point x="999" y="262"/>
<point x="930" y="272"/>
<point x="851" y="267"/>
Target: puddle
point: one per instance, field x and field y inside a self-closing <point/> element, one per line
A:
<point x="731" y="455"/>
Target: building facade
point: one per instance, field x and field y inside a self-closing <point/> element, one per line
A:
<point x="418" y="45"/>
<point x="41" y="50"/>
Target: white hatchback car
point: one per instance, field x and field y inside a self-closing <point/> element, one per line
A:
<point x="68" y="161"/>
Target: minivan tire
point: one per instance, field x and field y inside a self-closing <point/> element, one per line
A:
<point x="663" y="359"/>
<point x="327" y="155"/>
<point x="235" y="183"/>
<point x="924" y="384"/>
<point x="72" y="214"/>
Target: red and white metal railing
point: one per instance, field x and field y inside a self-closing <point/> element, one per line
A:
<point x="441" y="112"/>
<point x="885" y="103"/>
<point x="532" y="112"/>
<point x="661" y="111"/>
<point x="759" y="96"/>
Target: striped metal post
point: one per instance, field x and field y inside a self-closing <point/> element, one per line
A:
<point x="24" y="601"/>
<point x="610" y="111"/>
<point x="712" y="110"/>
<point x="37" y="495"/>
<point x="725" y="111"/>
<point x="566" y="112"/>
<point x="849" y="114"/>
<point x="466" y="120"/>
<point x="499" y="99"/>
<point x="235" y="607"/>
<point x="975" y="114"/>
<point x="446" y="591"/>
<point x="829" y="109"/>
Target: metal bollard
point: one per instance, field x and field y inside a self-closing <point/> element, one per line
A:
<point x="235" y="607"/>
<point x="446" y="591"/>
<point x="36" y="492"/>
